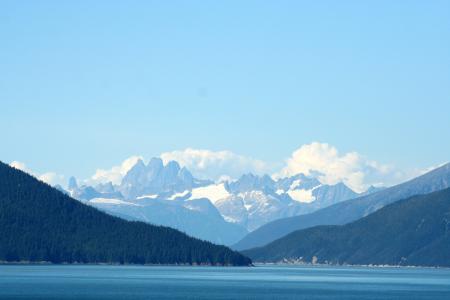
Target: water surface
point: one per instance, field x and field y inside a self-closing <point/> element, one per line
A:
<point x="262" y="282"/>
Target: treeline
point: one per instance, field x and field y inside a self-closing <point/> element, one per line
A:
<point x="39" y="223"/>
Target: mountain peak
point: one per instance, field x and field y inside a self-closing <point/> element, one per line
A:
<point x="173" y="164"/>
<point x="72" y="183"/>
<point x="155" y="162"/>
<point x="157" y="178"/>
<point x="139" y="165"/>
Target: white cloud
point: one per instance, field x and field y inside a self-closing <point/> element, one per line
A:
<point x="20" y="166"/>
<point x="353" y="169"/>
<point x="116" y="173"/>
<point x="216" y="165"/>
<point x="52" y="178"/>
<point x="49" y="177"/>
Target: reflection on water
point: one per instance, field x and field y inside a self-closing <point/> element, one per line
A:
<point x="261" y="282"/>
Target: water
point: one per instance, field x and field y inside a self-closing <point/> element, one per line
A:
<point x="263" y="282"/>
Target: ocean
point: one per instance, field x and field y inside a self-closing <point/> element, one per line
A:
<point x="260" y="282"/>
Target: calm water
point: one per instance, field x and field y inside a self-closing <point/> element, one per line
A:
<point x="278" y="282"/>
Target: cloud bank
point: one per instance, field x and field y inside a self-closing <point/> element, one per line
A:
<point x="351" y="168"/>
<point x="49" y="177"/>
<point x="217" y="165"/>
<point x="116" y="173"/>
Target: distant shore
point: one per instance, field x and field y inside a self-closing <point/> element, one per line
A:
<point x="256" y="264"/>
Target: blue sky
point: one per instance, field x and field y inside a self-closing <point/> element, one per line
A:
<point x="86" y="84"/>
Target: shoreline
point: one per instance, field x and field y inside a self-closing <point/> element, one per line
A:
<point x="253" y="265"/>
<point x="256" y="264"/>
<point x="47" y="263"/>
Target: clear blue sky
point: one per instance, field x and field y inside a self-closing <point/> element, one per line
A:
<point x="85" y="84"/>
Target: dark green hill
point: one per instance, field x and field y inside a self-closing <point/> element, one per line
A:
<point x="415" y="231"/>
<point x="39" y="223"/>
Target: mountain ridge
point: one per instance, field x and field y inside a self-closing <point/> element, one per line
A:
<point x="413" y="231"/>
<point x="242" y="205"/>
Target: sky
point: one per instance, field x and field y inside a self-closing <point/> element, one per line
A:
<point x="267" y="86"/>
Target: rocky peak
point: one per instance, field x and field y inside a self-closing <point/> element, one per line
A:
<point x="73" y="185"/>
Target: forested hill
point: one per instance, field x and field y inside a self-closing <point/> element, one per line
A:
<point x="39" y="223"/>
<point x="415" y="231"/>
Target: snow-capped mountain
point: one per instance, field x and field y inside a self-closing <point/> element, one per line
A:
<point x="254" y="201"/>
<point x="157" y="178"/>
<point x="219" y="212"/>
<point x="86" y="192"/>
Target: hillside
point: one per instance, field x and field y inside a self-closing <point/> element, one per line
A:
<point x="39" y="223"/>
<point x="197" y="218"/>
<point x="415" y="231"/>
<point x="348" y="211"/>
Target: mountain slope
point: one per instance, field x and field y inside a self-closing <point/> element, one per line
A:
<point x="198" y="218"/>
<point x="39" y="223"/>
<point x="415" y="231"/>
<point x="348" y="211"/>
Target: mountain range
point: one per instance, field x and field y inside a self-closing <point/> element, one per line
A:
<point x="293" y="219"/>
<point x="221" y="212"/>
<point x="413" y="231"/>
<point x="350" y="210"/>
<point x="38" y="223"/>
